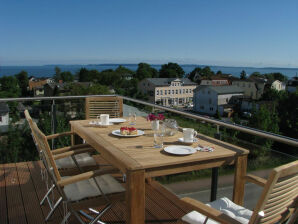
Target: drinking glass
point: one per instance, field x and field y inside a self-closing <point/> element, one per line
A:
<point x="132" y="118"/>
<point x="158" y="137"/>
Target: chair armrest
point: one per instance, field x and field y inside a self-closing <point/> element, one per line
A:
<point x="49" y="137"/>
<point x="85" y="176"/>
<point x="69" y="148"/>
<point x="72" y="152"/>
<point x="255" y="179"/>
<point x="210" y="212"/>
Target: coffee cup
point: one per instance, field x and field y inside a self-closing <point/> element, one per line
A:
<point x="189" y="134"/>
<point x="104" y="119"/>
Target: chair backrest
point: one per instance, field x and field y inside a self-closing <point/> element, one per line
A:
<point x="43" y="144"/>
<point x="30" y="122"/>
<point x="280" y="192"/>
<point x="111" y="105"/>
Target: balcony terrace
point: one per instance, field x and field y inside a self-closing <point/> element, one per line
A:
<point x="22" y="186"/>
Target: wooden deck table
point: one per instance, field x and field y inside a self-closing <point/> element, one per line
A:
<point x="136" y="157"/>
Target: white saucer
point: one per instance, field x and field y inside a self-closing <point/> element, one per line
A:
<point x="117" y="120"/>
<point x="182" y="140"/>
<point x="180" y="150"/>
<point x="99" y="123"/>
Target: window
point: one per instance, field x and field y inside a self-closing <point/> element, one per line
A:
<point x="160" y="92"/>
<point x="175" y="84"/>
<point x="180" y="91"/>
<point x="183" y="91"/>
<point x="186" y="90"/>
<point x="169" y="91"/>
<point x="173" y="91"/>
<point x="189" y="90"/>
<point x="165" y="92"/>
<point x="176" y="91"/>
<point x="211" y="108"/>
<point x="180" y="100"/>
<point x="157" y="92"/>
<point x="0" y="118"/>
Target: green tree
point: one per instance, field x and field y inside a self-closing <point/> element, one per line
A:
<point x="193" y="73"/>
<point x="66" y="76"/>
<point x="23" y="82"/>
<point x="265" y="119"/>
<point x="145" y="71"/>
<point x="171" y="70"/>
<point x="9" y="87"/>
<point x="84" y="75"/>
<point x="243" y="75"/>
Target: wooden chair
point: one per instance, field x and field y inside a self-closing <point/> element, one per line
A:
<point x="111" y="105"/>
<point x="82" y="191"/>
<point x="277" y="203"/>
<point x="71" y="159"/>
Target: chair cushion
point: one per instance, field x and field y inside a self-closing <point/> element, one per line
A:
<point x="88" y="188"/>
<point x="83" y="159"/>
<point x="224" y="205"/>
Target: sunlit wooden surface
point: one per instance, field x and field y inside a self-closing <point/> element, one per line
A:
<point x="139" y="159"/>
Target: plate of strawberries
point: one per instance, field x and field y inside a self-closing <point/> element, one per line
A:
<point x="128" y="132"/>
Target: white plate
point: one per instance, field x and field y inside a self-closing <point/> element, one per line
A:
<point x="117" y="133"/>
<point x="182" y="140"/>
<point x="99" y="123"/>
<point x="117" y="120"/>
<point x="180" y="150"/>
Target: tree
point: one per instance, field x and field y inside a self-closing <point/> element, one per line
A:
<point x="145" y="71"/>
<point x="207" y="72"/>
<point x="276" y="76"/>
<point x="265" y="119"/>
<point x="171" y="70"/>
<point x="192" y="75"/>
<point x="23" y="82"/>
<point x="243" y="75"/>
<point x="9" y="87"/>
<point x="84" y="75"/>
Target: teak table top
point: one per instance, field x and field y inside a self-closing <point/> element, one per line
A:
<point x="139" y="153"/>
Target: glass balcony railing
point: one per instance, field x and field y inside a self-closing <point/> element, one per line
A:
<point x="53" y="114"/>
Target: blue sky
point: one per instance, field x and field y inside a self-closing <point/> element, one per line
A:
<point x="216" y="32"/>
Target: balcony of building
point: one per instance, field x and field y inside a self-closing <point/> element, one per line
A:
<point x="23" y="185"/>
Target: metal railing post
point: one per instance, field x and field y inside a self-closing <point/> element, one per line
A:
<point x="214" y="177"/>
<point x="53" y="121"/>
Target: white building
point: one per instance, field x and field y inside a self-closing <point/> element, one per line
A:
<point x="208" y="99"/>
<point x="4" y="116"/>
<point x="168" y="91"/>
<point x="277" y="85"/>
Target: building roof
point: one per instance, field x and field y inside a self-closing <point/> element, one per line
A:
<point x="4" y="108"/>
<point x="222" y="89"/>
<point x="167" y="81"/>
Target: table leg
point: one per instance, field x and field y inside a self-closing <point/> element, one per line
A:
<point x="214" y="181"/>
<point x="72" y="137"/>
<point x="135" y="197"/>
<point x="239" y="182"/>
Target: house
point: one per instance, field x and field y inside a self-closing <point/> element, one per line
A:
<point x="209" y="99"/>
<point x="37" y="85"/>
<point x="292" y="85"/>
<point x="52" y="89"/>
<point x="4" y="117"/>
<point x="168" y="91"/>
<point x="276" y="84"/>
<point x="214" y="81"/>
<point x="252" y="87"/>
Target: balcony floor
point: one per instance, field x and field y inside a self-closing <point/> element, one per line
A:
<point x="21" y="189"/>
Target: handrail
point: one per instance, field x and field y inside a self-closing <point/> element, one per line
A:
<point x="253" y="131"/>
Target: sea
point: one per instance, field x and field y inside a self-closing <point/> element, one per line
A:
<point x="49" y="70"/>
